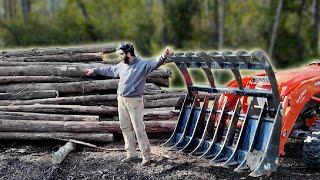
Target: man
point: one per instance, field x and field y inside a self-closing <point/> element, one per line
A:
<point x="132" y="72"/>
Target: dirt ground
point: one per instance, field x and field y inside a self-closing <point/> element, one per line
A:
<point x="32" y="160"/>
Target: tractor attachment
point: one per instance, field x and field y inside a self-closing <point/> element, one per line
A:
<point x="235" y="126"/>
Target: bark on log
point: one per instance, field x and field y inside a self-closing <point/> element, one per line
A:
<point x="47" y="117"/>
<point x="26" y="95"/>
<point x="59" y="156"/>
<point x="168" y="102"/>
<point x="153" y="114"/>
<point x="106" y="48"/>
<point x="94" y="64"/>
<point x="57" y="58"/>
<point x="64" y="70"/>
<point x="155" y="100"/>
<point x="74" y="100"/>
<point x="152" y="127"/>
<point x="163" y="82"/>
<point x="166" y="117"/>
<point x="62" y="109"/>
<point x="39" y="70"/>
<point x="165" y="113"/>
<point x="42" y="79"/>
<point x="71" y="87"/>
<point x="158" y="73"/>
<point x="91" y="137"/>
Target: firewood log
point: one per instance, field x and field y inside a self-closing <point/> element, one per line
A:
<point x="25" y="95"/>
<point x="57" y="58"/>
<point x="59" y="156"/>
<point x="152" y="127"/>
<point x="47" y="117"/>
<point x="71" y="87"/>
<point x="70" y="70"/>
<point x="156" y="100"/>
<point x="62" y="109"/>
<point x="94" y="137"/>
<point x="106" y="48"/>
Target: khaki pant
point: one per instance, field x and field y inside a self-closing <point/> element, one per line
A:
<point x="131" y="123"/>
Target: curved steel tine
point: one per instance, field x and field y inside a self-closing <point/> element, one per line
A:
<point x="191" y="60"/>
<point x="217" y="57"/>
<point x="188" y="54"/>
<point x="178" y="54"/>
<point x="188" y="125"/>
<point x="198" y="128"/>
<point x="179" y="126"/>
<point x="228" y="55"/>
<point x="223" y="154"/>
<point x="207" y="59"/>
<point x="244" y="56"/>
<point x="270" y="162"/>
<point x="208" y="130"/>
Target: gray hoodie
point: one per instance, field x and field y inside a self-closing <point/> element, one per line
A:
<point x="132" y="76"/>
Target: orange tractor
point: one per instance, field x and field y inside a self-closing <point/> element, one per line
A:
<point x="245" y="124"/>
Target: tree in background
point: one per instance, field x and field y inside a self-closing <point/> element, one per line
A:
<point x="291" y="36"/>
<point x="180" y="13"/>
<point x="315" y="25"/>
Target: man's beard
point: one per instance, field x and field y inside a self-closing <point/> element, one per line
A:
<point x="126" y="60"/>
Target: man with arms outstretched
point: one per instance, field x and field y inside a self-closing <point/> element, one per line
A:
<point x="132" y="71"/>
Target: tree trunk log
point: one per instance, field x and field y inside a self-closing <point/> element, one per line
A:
<point x="71" y="87"/>
<point x="62" y="109"/>
<point x="57" y="58"/>
<point x="42" y="70"/>
<point x="25" y="95"/>
<point x="59" y="156"/>
<point x="106" y="48"/>
<point x="94" y="64"/>
<point x="156" y="100"/>
<point x="163" y="82"/>
<point x="152" y="127"/>
<point x="30" y="79"/>
<point x="153" y="114"/>
<point x="168" y="102"/>
<point x="64" y="70"/>
<point x="92" y="137"/>
<point x="47" y="117"/>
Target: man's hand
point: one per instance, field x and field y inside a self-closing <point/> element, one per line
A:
<point x="90" y="72"/>
<point x="167" y="52"/>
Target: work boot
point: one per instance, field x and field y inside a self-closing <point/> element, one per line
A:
<point x="145" y="162"/>
<point x="129" y="158"/>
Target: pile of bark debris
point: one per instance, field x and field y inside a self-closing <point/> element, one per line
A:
<point x="45" y="93"/>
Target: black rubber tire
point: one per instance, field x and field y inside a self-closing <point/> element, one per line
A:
<point x="311" y="151"/>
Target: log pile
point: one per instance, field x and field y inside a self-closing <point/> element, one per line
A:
<point x="45" y="93"/>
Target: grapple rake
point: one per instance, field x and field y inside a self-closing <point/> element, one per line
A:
<point x="241" y="127"/>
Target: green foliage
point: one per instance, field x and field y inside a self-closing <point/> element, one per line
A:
<point x="180" y="13"/>
<point x="151" y="25"/>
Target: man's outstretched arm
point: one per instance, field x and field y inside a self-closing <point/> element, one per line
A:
<point x="167" y="52"/>
<point x="109" y="71"/>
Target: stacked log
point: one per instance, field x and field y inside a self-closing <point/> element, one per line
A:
<point x="45" y="93"/>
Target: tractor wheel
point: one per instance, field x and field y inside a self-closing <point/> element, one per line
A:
<point x="311" y="151"/>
